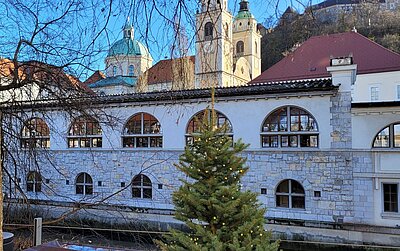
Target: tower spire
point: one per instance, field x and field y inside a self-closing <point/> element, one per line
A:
<point x="244" y="5"/>
<point x="128" y="30"/>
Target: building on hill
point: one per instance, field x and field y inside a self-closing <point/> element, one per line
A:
<point x="228" y="53"/>
<point x="323" y="141"/>
<point x="330" y="10"/>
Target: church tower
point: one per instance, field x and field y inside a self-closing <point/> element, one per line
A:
<point x="127" y="56"/>
<point x="247" y="44"/>
<point x="214" y="60"/>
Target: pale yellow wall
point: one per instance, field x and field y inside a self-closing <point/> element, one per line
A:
<point x="140" y="63"/>
<point x="214" y="60"/>
<point x="246" y="30"/>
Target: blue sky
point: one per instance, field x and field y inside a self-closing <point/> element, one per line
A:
<point x="71" y="38"/>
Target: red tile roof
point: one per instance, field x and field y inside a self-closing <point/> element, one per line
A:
<point x="41" y="73"/>
<point x="96" y="76"/>
<point x="313" y="56"/>
<point x="162" y="71"/>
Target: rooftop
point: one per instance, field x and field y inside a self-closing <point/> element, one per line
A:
<point x="251" y="91"/>
<point x="311" y="58"/>
<point x="162" y="71"/>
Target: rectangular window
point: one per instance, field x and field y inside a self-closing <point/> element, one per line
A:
<point x="398" y="92"/>
<point x="374" y="93"/>
<point x="390" y="198"/>
<point x="270" y="141"/>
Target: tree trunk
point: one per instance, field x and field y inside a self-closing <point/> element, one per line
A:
<point x="1" y="181"/>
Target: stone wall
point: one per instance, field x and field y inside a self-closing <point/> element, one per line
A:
<point x="329" y="172"/>
<point x="341" y="123"/>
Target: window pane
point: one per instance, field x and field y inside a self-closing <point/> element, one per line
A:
<point x="382" y="139"/>
<point x="398" y="92"/>
<point x="147" y="193"/>
<point x="79" y="189"/>
<point x="282" y="201"/>
<point x="89" y="189"/>
<point x="128" y="142"/>
<point x="308" y="140"/>
<point x="142" y="142"/>
<point x="269" y="141"/>
<point x="136" y="192"/>
<point x="88" y="178"/>
<point x="298" y="202"/>
<point x="29" y="187"/>
<point x="294" y="123"/>
<point x="284" y="141"/>
<point x="283" y="187"/>
<point x="38" y="186"/>
<point x="146" y="181"/>
<point x="374" y="93"/>
<point x="293" y="141"/>
<point x="137" y="180"/>
<point x="156" y="142"/>
<point x="80" y="178"/>
<point x="277" y="121"/>
<point x="296" y="187"/>
<point x="390" y="198"/>
<point x="396" y="136"/>
<point x="155" y="127"/>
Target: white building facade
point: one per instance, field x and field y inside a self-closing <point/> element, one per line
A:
<point x="314" y="157"/>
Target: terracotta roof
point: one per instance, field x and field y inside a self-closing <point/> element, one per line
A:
<point x="162" y="71"/>
<point x="96" y="76"/>
<point x="311" y="58"/>
<point x="41" y="73"/>
<point x="7" y="68"/>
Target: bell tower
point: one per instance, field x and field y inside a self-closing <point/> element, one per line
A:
<point x="247" y="43"/>
<point x="214" y="60"/>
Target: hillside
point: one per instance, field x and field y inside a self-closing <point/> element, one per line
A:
<point x="293" y="28"/>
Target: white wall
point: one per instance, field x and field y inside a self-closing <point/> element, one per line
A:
<point x="387" y="83"/>
<point x="246" y="117"/>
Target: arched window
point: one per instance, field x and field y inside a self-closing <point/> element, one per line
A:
<point x="194" y="125"/>
<point x="85" y="132"/>
<point x="289" y="127"/>
<point x="208" y="31"/>
<point x="141" y="131"/>
<point x="34" y="182"/>
<point x="256" y="47"/>
<point x="131" y="70"/>
<point x="35" y="133"/>
<point x="239" y="47"/>
<point x="141" y="187"/>
<point x="84" y="184"/>
<point x="290" y="194"/>
<point x="388" y="137"/>
<point x="114" y="71"/>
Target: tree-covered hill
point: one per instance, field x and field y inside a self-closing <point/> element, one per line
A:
<point x="293" y="28"/>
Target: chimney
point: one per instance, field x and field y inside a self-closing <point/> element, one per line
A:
<point x="343" y="72"/>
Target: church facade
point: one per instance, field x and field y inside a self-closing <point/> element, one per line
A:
<point x="228" y="53"/>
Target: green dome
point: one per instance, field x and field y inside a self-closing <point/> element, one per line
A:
<point x="244" y="15"/>
<point x="128" y="47"/>
<point x="244" y="11"/>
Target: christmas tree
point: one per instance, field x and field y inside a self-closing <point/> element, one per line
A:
<point x="219" y="215"/>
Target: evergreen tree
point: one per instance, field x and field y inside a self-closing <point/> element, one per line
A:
<point x="219" y="215"/>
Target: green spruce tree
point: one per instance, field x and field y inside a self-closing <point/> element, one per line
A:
<point x="219" y="215"/>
